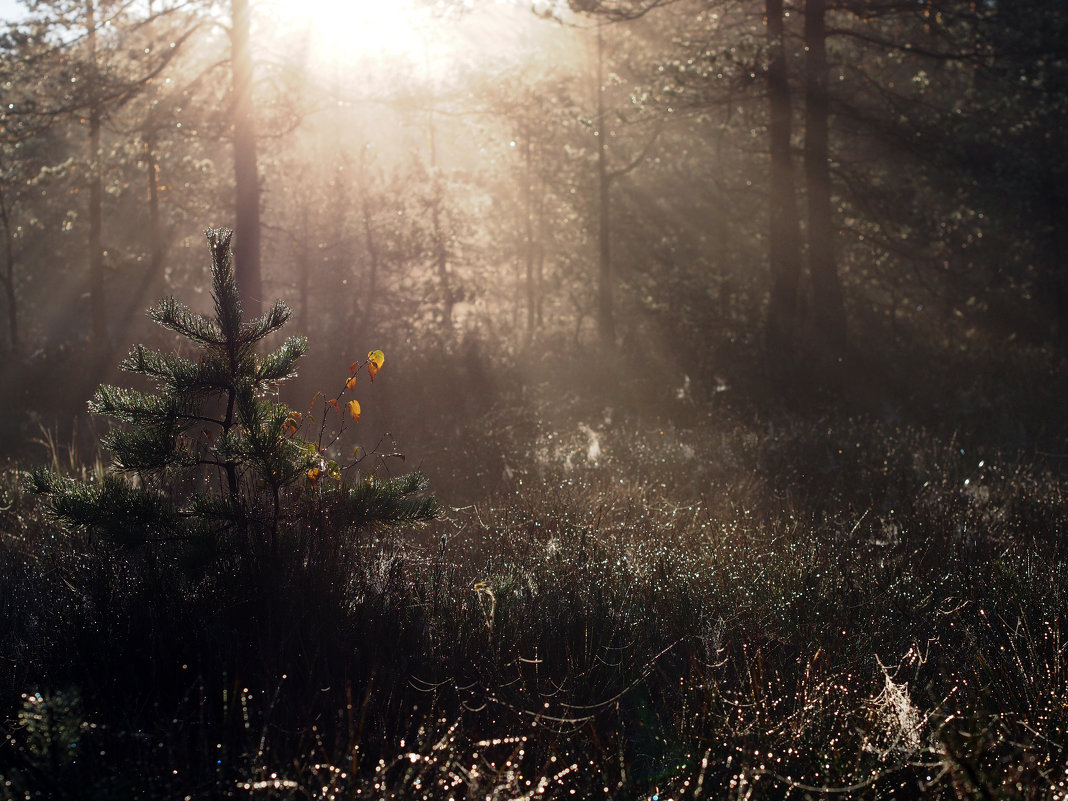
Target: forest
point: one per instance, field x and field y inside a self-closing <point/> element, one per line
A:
<point x="496" y="399"/>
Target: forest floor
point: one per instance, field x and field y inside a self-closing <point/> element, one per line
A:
<point x="710" y="603"/>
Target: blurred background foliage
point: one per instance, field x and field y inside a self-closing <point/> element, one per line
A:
<point x="447" y="195"/>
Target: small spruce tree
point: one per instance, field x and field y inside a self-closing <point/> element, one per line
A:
<point x="211" y="456"/>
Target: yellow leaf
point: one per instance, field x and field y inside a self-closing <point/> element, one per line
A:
<point x="350" y="383"/>
<point x="354" y="410"/>
<point x="313" y="475"/>
<point x="375" y="360"/>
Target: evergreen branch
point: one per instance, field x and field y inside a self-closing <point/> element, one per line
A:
<point x="145" y="449"/>
<point x="224" y="288"/>
<point x="182" y="320"/>
<point x="218" y="508"/>
<point x="131" y="406"/>
<point x="268" y="322"/>
<point x="210" y="374"/>
<point x="377" y="501"/>
<point x="160" y="366"/>
<point x="281" y="364"/>
<point x="121" y="512"/>
<point x="178" y="374"/>
<point x="279" y="459"/>
<point x="199" y="418"/>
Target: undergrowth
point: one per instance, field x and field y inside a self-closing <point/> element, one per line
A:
<point x="753" y="610"/>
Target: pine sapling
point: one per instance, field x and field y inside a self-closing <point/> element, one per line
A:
<point x="211" y="455"/>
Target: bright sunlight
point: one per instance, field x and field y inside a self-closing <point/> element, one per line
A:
<point x="343" y="31"/>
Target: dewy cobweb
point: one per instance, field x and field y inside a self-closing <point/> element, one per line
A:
<point x="896" y="722"/>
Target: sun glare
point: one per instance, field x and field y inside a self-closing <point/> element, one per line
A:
<point x="344" y="31"/>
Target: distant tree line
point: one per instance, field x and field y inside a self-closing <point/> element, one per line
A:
<point x="814" y="178"/>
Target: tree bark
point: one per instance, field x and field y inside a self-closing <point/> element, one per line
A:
<point x="151" y="284"/>
<point x="828" y="312"/>
<point x="304" y="250"/>
<point x="97" y="304"/>
<point x="9" y="275"/>
<point x="721" y="234"/>
<point x="784" y="251"/>
<point x="154" y="280"/>
<point x="372" y="266"/>
<point x="1055" y="208"/>
<point x="606" y="325"/>
<point x="441" y="251"/>
<point x="539" y="284"/>
<point x="247" y="265"/>
<point x="441" y="259"/>
<point x="528" y="233"/>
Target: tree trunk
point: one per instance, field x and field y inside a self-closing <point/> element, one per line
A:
<point x="1057" y="249"/>
<point x="9" y="275"/>
<point x="247" y="266"/>
<point x="828" y="312"/>
<point x="516" y="303"/>
<point x="372" y="267"/>
<point x="541" y="237"/>
<point x="784" y="252"/>
<point x="528" y="234"/>
<point x="151" y="283"/>
<point x="721" y="234"/>
<point x="441" y="253"/>
<point x="97" y="304"/>
<point x="154" y="280"/>
<point x="539" y="285"/>
<point x="441" y="258"/>
<point x="606" y="325"/>
<point x="304" y="266"/>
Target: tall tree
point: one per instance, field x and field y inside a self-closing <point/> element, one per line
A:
<point x="784" y="234"/>
<point x="246" y="172"/>
<point x="20" y="138"/>
<point x="606" y="177"/>
<point x="606" y="324"/>
<point x="828" y="312"/>
<point x="85" y="37"/>
<point x="95" y="109"/>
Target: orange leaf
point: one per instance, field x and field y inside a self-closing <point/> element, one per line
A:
<point x="353" y="368"/>
<point x="313" y="475"/>
<point x="354" y="410"/>
<point x="333" y="402"/>
<point x="350" y="383"/>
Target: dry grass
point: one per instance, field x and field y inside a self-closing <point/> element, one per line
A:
<point x="747" y="611"/>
